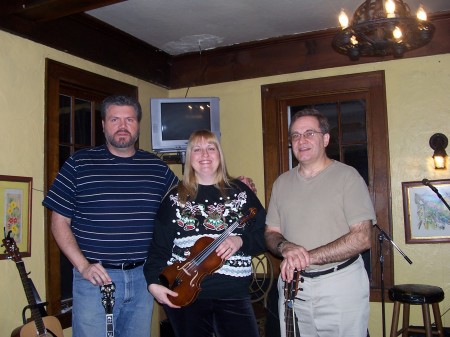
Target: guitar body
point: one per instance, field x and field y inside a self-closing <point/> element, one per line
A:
<point x="29" y="330"/>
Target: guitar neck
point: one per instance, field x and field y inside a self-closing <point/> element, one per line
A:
<point x="108" y="301"/>
<point x="35" y="314"/>
<point x="109" y="325"/>
<point x="289" y="313"/>
<point x="289" y="317"/>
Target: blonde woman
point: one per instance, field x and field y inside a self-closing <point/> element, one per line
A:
<point x="206" y="203"/>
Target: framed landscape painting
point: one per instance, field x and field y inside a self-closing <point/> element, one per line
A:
<point x="427" y="217"/>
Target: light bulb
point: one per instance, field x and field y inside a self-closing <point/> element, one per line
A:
<point x="439" y="162"/>
<point x="421" y="14"/>
<point x="353" y="40"/>
<point x="389" y="5"/>
<point x="397" y="33"/>
<point x="343" y="19"/>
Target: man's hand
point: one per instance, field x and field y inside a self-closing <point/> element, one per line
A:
<point x="294" y="257"/>
<point x="96" y="274"/>
<point x="249" y="182"/>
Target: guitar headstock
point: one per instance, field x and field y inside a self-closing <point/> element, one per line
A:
<point x="291" y="289"/>
<point x="11" y="248"/>
<point x="108" y="299"/>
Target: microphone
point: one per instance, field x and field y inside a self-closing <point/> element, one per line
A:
<point x="426" y="182"/>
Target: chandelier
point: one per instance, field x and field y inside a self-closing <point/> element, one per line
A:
<point x="381" y="28"/>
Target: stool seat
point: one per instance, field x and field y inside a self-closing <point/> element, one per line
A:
<point x="416" y="293"/>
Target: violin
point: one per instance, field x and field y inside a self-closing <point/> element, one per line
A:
<point x="185" y="277"/>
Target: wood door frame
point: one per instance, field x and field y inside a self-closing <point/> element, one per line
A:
<point x="58" y="74"/>
<point x="275" y="99"/>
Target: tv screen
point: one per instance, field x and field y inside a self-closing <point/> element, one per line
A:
<point x="178" y="120"/>
<point x="174" y="119"/>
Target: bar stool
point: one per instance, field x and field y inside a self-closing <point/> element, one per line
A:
<point x="422" y="294"/>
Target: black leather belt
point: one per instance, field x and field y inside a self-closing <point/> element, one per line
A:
<point x="331" y="270"/>
<point x="123" y="266"/>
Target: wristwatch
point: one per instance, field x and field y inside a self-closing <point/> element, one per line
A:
<point x="280" y="245"/>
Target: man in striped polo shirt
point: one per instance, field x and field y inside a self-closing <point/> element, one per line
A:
<point x="104" y="201"/>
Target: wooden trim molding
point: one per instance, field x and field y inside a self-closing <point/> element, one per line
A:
<point x="84" y="36"/>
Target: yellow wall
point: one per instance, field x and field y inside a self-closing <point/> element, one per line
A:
<point x="418" y="103"/>
<point x="22" y="95"/>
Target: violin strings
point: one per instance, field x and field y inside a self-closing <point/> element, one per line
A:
<point x="213" y="245"/>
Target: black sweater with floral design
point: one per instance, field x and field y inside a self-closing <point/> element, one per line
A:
<point x="178" y="227"/>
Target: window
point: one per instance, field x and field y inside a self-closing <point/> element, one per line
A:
<point x="356" y="106"/>
<point x="73" y="122"/>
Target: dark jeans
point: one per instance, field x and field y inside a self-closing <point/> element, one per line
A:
<point x="224" y="318"/>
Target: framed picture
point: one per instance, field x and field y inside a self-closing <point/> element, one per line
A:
<point x="427" y="218"/>
<point x="15" y="211"/>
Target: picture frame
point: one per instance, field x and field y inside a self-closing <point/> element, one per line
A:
<point x="426" y="216"/>
<point x="15" y="211"/>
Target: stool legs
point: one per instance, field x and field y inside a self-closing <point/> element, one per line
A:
<point x="437" y="319"/>
<point x="404" y="331"/>
<point x="405" y="326"/>
<point x="427" y="320"/>
<point x="395" y="315"/>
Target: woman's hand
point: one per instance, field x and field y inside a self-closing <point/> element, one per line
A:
<point x="230" y="246"/>
<point x="160" y="293"/>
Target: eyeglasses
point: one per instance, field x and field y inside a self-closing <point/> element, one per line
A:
<point x="308" y="134"/>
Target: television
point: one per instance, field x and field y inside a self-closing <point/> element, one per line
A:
<point x="174" y="119"/>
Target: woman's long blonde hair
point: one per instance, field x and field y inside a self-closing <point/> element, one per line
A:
<point x="188" y="188"/>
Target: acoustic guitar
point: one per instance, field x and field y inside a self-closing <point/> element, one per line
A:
<point x="290" y="292"/>
<point x="39" y="326"/>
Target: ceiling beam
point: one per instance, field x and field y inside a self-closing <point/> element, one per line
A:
<point x="45" y="10"/>
<point x="91" y="39"/>
<point x="94" y="40"/>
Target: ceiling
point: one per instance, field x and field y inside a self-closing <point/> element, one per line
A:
<point x="181" y="26"/>
<point x="162" y="41"/>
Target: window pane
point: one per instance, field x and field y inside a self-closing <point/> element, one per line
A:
<point x="64" y="153"/>
<point x="82" y="122"/>
<point x="330" y="110"/>
<point x="353" y="122"/>
<point x="99" y="136"/>
<point x="65" y="108"/>
<point x="356" y="156"/>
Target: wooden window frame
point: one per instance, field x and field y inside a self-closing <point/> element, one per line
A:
<point x="58" y="75"/>
<point x="276" y="98"/>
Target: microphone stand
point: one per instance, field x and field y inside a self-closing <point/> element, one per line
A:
<point x="381" y="237"/>
<point x="435" y="190"/>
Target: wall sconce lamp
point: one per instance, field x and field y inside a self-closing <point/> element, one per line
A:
<point x="438" y="142"/>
